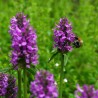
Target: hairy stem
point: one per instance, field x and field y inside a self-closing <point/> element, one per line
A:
<point x="61" y="76"/>
<point x="25" y="83"/>
<point x="63" y="63"/>
<point x="19" y="83"/>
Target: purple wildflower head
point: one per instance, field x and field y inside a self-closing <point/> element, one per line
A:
<point x="63" y="36"/>
<point x="44" y="86"/>
<point x="8" y="87"/>
<point x="23" y="41"/>
<point x="3" y="84"/>
<point x="12" y="88"/>
<point x="86" y="92"/>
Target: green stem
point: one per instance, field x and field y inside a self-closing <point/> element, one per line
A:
<point x="19" y="83"/>
<point x="25" y="83"/>
<point x="61" y="76"/>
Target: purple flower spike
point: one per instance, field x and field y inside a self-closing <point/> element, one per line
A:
<point x="3" y="84"/>
<point x="63" y="36"/>
<point x="86" y="92"/>
<point x="8" y="87"/>
<point x="43" y="86"/>
<point x="23" y="41"/>
<point x="12" y="88"/>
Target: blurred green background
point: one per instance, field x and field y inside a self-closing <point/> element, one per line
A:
<point x="82" y="66"/>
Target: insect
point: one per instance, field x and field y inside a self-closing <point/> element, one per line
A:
<point x="78" y="42"/>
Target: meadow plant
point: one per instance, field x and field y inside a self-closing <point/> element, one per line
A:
<point x="24" y="47"/>
<point x="63" y="41"/>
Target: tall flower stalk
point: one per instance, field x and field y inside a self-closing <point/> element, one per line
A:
<point x="19" y="82"/>
<point x="24" y="47"/>
<point x="25" y="83"/>
<point x="61" y="75"/>
<point x="63" y="39"/>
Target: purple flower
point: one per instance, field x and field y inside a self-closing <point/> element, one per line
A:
<point x="44" y="86"/>
<point x="63" y="36"/>
<point x="23" y="41"/>
<point x="3" y="84"/>
<point x="86" y="92"/>
<point x="8" y="87"/>
<point x="12" y="88"/>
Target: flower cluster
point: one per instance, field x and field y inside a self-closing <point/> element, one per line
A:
<point x="63" y="36"/>
<point x="86" y="92"/>
<point x="3" y="84"/>
<point x="23" y="41"/>
<point x="12" y="88"/>
<point x="8" y="87"/>
<point x="44" y="86"/>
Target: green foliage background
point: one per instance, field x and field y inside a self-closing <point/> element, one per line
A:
<point x="82" y="66"/>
